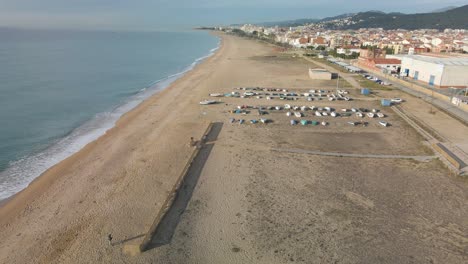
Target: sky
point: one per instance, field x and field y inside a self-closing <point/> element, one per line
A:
<point x="154" y="15"/>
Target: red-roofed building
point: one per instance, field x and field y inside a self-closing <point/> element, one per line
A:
<point x="375" y="59"/>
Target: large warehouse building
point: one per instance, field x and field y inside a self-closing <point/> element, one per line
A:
<point x="441" y="72"/>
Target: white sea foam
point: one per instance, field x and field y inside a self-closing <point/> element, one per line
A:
<point x="22" y="172"/>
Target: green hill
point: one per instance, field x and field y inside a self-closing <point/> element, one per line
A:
<point x="453" y="18"/>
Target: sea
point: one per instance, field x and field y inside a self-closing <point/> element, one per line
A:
<point x="60" y="90"/>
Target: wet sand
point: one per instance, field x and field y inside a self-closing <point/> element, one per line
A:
<point x="249" y="204"/>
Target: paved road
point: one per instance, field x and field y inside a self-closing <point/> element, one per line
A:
<point x="338" y="154"/>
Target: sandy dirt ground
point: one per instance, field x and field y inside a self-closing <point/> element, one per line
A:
<point x="249" y="204"/>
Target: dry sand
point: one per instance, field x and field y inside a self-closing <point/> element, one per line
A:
<point x="250" y="204"/>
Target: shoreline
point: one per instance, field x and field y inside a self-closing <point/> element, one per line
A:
<point x="40" y="184"/>
<point x="152" y="89"/>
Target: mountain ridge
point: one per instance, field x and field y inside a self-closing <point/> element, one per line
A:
<point x="440" y="19"/>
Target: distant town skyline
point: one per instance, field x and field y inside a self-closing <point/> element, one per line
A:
<point x="184" y="14"/>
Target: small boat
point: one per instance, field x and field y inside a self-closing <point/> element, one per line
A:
<point x="295" y="108"/>
<point x="331" y="99"/>
<point x="346" y="98"/>
<point x="268" y="98"/>
<point x="288" y="114"/>
<point x="303" y="108"/>
<point x="293" y="122"/>
<point x="297" y="114"/>
<point x="344" y="110"/>
<point x="324" y="123"/>
<point x="241" y="121"/>
<point x="278" y="107"/>
<point x="216" y="94"/>
<point x="207" y="102"/>
<point x="354" y="110"/>
<point x="253" y="121"/>
<point x="314" y="123"/>
<point x="333" y="114"/>
<point x="232" y="120"/>
<point x="371" y="115"/>
<point x="324" y="114"/>
<point x="327" y="108"/>
<point x="287" y="107"/>
<point x="359" y="114"/>
<point x="264" y="120"/>
<point x="383" y="123"/>
<point x="312" y="108"/>
<point x="304" y="122"/>
<point x="374" y="110"/>
<point x="380" y="115"/>
<point x="310" y="99"/>
<point x="249" y="94"/>
<point x="352" y="123"/>
<point x="317" y="113"/>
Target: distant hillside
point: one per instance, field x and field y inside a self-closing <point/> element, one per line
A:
<point x="453" y="18"/>
<point x="444" y="9"/>
<point x="448" y="17"/>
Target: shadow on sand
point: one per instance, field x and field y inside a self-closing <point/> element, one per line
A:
<point x="167" y="226"/>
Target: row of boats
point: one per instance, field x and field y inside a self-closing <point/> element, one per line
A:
<point x="303" y="122"/>
<point x="311" y="95"/>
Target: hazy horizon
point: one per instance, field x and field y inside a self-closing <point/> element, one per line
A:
<point x="147" y="15"/>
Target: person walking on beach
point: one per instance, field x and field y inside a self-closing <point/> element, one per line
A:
<point x="109" y="238"/>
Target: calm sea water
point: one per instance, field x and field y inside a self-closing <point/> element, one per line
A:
<point x="60" y="90"/>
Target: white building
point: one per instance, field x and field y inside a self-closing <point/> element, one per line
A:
<point x="442" y="72"/>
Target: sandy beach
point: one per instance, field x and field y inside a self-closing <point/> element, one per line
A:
<point x="254" y="201"/>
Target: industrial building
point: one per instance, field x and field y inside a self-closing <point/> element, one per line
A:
<point x="440" y="71"/>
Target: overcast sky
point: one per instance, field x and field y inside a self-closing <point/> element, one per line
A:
<point x="183" y="14"/>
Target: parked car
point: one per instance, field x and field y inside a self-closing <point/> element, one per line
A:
<point x="396" y="100"/>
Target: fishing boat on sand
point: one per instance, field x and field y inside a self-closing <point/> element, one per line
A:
<point x="207" y="102"/>
<point x="383" y="123"/>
